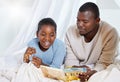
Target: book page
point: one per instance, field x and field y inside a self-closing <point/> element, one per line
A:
<point x="66" y="75"/>
<point x="53" y="73"/>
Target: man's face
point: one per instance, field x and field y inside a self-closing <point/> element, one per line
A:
<point x="86" y="22"/>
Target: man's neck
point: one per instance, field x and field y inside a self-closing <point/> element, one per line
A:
<point x="89" y="36"/>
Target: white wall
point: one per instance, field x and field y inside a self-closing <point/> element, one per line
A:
<point x="13" y="14"/>
<point x="110" y="12"/>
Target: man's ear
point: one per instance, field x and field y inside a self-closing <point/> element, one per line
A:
<point x="97" y="20"/>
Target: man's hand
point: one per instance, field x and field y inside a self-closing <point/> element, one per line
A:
<point x="84" y="76"/>
<point x="28" y="53"/>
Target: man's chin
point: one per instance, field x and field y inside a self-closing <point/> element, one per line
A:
<point x="82" y="34"/>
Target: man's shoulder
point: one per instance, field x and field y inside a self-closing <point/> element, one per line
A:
<point x="106" y="25"/>
<point x="72" y="27"/>
<point x="72" y="30"/>
<point x="107" y="29"/>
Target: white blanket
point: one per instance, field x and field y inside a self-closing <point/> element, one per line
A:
<point x="111" y="74"/>
<point x="25" y="72"/>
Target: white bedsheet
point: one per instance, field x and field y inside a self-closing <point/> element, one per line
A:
<point x="111" y="74"/>
<point x="13" y="71"/>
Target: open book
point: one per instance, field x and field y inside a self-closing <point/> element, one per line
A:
<point x="66" y="75"/>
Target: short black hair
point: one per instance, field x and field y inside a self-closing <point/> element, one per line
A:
<point x="47" y="21"/>
<point x="90" y="6"/>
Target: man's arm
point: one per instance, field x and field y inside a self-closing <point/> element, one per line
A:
<point x="70" y="59"/>
<point x="109" y="50"/>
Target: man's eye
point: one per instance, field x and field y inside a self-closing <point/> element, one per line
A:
<point x="85" y="21"/>
<point x="78" y="20"/>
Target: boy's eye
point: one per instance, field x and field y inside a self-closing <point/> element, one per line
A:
<point x="43" y="34"/>
<point x="52" y="35"/>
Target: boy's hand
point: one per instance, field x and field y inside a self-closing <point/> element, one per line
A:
<point x="28" y="53"/>
<point x="36" y="61"/>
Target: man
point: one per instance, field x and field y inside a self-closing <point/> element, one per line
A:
<point x="91" y="42"/>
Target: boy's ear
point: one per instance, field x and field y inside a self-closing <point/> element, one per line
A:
<point x="37" y="33"/>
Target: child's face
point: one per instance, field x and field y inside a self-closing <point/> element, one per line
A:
<point x="46" y="36"/>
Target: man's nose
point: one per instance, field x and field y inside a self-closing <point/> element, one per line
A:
<point x="80" y="24"/>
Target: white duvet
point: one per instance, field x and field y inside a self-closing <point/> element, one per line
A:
<point x="111" y="74"/>
<point x="11" y="71"/>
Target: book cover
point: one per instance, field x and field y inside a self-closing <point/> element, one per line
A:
<point x="66" y="75"/>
